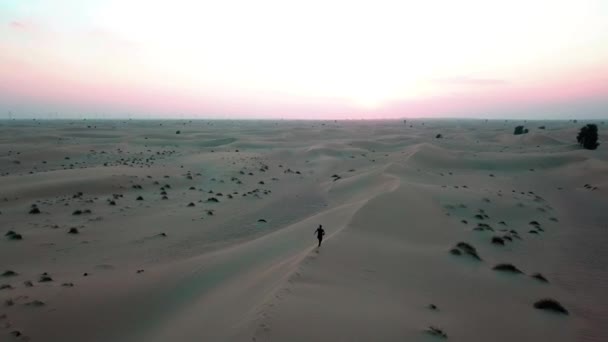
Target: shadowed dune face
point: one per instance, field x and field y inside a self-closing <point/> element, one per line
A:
<point x="221" y="246"/>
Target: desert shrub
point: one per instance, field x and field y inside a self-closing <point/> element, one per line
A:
<point x="45" y="278"/>
<point x="506" y="268"/>
<point x="455" y="251"/>
<point x="497" y="240"/>
<point x="9" y="273"/>
<point x="540" y="277"/>
<point x="437" y="332"/>
<point x="465" y="248"/>
<point x="587" y="137"/>
<point x="520" y="130"/>
<point x="551" y="305"/>
<point x="11" y="235"/>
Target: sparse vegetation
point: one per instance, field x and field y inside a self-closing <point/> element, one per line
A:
<point x="45" y="278"/>
<point x="540" y="277"/>
<point x="11" y="235"/>
<point x="34" y="210"/>
<point x="506" y="268"/>
<point x="436" y="332"/>
<point x="520" y="130"/>
<point x="550" y="305"/>
<point x="465" y="248"/>
<point x="587" y="137"/>
<point x="497" y="240"/>
<point x="9" y="273"/>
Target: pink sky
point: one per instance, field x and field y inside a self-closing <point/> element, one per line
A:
<point x="102" y="60"/>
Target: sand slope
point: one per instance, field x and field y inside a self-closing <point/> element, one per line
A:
<point x="230" y="255"/>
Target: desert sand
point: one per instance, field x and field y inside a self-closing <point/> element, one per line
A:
<point x="204" y="231"/>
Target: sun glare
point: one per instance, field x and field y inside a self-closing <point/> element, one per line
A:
<point x="372" y="53"/>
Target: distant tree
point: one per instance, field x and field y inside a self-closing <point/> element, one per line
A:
<point x="587" y="137"/>
<point x="541" y="127"/>
<point x="520" y="130"/>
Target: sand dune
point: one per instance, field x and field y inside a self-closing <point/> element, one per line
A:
<point x="141" y="233"/>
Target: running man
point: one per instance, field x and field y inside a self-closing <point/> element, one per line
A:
<point x="320" y="232"/>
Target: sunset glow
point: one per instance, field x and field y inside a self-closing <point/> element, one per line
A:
<point x="313" y="59"/>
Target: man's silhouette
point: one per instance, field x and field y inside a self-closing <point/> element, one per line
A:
<point x="320" y="232"/>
